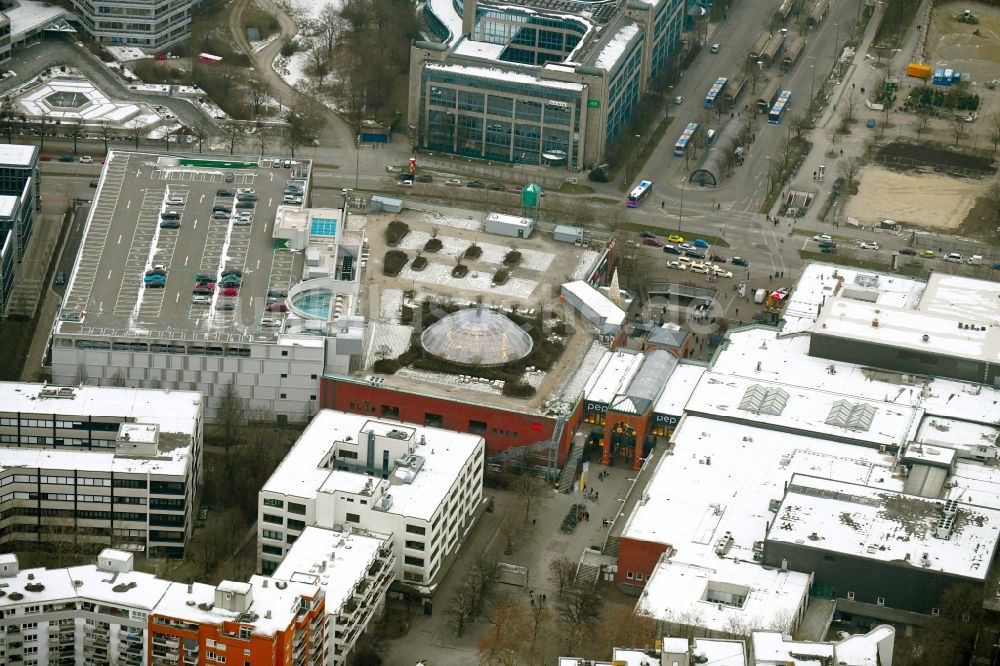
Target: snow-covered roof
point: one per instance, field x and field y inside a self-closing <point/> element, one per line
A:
<point x="504" y="75"/>
<point x="685" y="508"/>
<point x="335" y="561"/>
<point x="8" y="204"/>
<point x="615" y="46"/>
<point x="678" y="592"/>
<point x="962" y="298"/>
<point x="174" y="462"/>
<point x="876" y="523"/>
<point x="27" y="15"/>
<point x="614" y="371"/>
<point x="474" y="49"/>
<point x="827" y="414"/>
<point x="446" y="12"/>
<point x="679" y="387"/>
<point x="18" y="155"/>
<point x="444" y="453"/>
<point x="598" y="303"/>
<point x="771" y="647"/>
<point x="173" y="411"/>
<point x="922" y="331"/>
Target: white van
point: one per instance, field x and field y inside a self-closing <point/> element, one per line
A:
<point x="759" y="296"/>
<point x="976" y="259"/>
<point x="709" y="137"/>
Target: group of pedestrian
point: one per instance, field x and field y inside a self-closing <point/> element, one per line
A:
<point x="592" y="494"/>
<point x="604" y="473"/>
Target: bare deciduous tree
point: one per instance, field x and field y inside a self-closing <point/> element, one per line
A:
<point x="562" y="570"/>
<point x="959" y="128"/>
<point x="922" y="123"/>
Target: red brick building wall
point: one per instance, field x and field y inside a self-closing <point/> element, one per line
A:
<point x="637" y="557"/>
<point x="504" y="428"/>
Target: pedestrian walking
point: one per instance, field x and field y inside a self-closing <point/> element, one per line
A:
<point x="544" y="597"/>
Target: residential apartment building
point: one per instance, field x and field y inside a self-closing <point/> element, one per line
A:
<point x="421" y="485"/>
<point x="110" y="614"/>
<point x="354" y="569"/>
<point x="152" y="25"/>
<point x="542" y="82"/>
<point x="99" y="466"/>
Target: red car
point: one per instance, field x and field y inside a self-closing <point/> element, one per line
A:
<point x="718" y="258"/>
<point x="655" y="242"/>
<point x="229" y="292"/>
<point x="204" y="288"/>
<point x="43" y="157"/>
<point x="276" y="307"/>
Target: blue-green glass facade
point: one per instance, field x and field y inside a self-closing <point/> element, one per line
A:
<point x="7" y="261"/>
<point x="624" y="84"/>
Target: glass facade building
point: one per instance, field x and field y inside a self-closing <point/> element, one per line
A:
<point x="548" y="83"/>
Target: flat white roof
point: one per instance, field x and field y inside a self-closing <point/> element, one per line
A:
<point x="676" y="592"/>
<point x="473" y="49"/>
<point x="335" y="561"/>
<point x="172" y="411"/>
<point x="12" y="154"/>
<point x="510" y="219"/>
<point x="819" y="281"/>
<point x="887" y="526"/>
<point x="803" y="409"/>
<point x="506" y="75"/>
<point x="956" y="434"/>
<point x="918" y="330"/>
<point x="7" y="205"/>
<point x="722" y="477"/>
<point x="174" y="462"/>
<point x="27" y="15"/>
<point x="445" y="453"/>
<point x="613" y="373"/>
<point x="133" y="589"/>
<point x="679" y="388"/>
<point x="772" y="647"/>
<point x="596" y="301"/>
<point x="962" y="298"/>
<point x="448" y="15"/>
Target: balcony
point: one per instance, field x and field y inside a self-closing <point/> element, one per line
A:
<point x="162" y="641"/>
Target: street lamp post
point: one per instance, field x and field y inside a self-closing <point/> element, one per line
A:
<point x="768" y="176"/>
<point x="357" y="160"/>
<point x="812" y="87"/>
<point x="635" y="155"/>
<point x="680" y="211"/>
<point x="836" y="47"/>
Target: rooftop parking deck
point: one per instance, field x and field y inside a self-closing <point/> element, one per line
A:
<point x="124" y="239"/>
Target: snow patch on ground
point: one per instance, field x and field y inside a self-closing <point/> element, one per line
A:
<point x="481" y="281"/>
<point x="441" y="379"/>
<point x="456" y="222"/>
<point x="305" y="10"/>
<point x="292" y="70"/>
<point x="394" y="337"/>
<point x="390" y="303"/>
<point x="532" y="260"/>
<point x="534" y="378"/>
<point x="263" y="44"/>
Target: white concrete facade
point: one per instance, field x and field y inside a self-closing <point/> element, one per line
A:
<point x="421" y="485"/>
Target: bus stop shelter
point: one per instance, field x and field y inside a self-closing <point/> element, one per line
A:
<point x="719" y="158"/>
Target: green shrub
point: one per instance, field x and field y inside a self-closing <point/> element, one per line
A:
<point x="288" y="49"/>
<point x="394" y="262"/>
<point x="459" y="271"/>
<point x="512" y="258"/>
<point x="501" y="276"/>
<point x="406" y="316"/>
<point x="560" y="328"/>
<point x="518" y="389"/>
<point x="386" y="366"/>
<point x="433" y="245"/>
<point x="419" y="264"/>
<point x="473" y="252"/>
<point x="395" y="231"/>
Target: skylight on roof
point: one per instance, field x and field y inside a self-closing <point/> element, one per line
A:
<point x="850" y="415"/>
<point x="761" y="400"/>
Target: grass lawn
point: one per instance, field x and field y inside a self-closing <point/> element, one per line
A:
<point x="569" y="188"/>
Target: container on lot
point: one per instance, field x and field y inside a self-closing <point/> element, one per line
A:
<point x="759" y="296"/>
<point x="568" y="234"/>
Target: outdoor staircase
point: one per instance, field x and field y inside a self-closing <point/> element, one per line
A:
<point x="587" y="573"/>
<point x="572" y="461"/>
<point x="611" y="546"/>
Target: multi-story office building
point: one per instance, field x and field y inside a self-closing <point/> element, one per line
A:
<point x="354" y="569"/>
<point x="18" y="170"/>
<point x="109" y="614"/>
<point x="421" y="485"/>
<point x="8" y="260"/>
<point x="291" y="313"/>
<point x="542" y="82"/>
<point x="99" y="466"/>
<point x="149" y="24"/>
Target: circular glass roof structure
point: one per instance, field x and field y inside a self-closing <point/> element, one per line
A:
<point x="476" y="336"/>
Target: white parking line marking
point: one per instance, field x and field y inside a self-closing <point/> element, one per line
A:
<point x="119" y="239"/>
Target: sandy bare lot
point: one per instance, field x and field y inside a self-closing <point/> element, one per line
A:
<point x="926" y="200"/>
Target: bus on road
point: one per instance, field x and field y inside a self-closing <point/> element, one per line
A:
<point x="715" y="91"/>
<point x="680" y="148"/>
<point x="641" y="191"/>
<point x="779" y="108"/>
